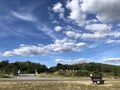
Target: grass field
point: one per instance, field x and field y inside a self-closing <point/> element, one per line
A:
<point x="59" y="85"/>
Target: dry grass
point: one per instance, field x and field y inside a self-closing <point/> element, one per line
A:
<point x="59" y="85"/>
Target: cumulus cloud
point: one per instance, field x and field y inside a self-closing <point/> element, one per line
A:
<point x="73" y="34"/>
<point x="105" y="10"/>
<point x="27" y="50"/>
<point x="115" y="34"/>
<point x="58" y="9"/>
<point x="102" y="28"/>
<point x="94" y="36"/>
<point x="62" y="45"/>
<point x="98" y="31"/>
<point x="81" y="44"/>
<point x="58" y="46"/>
<point x="76" y="13"/>
<point x="65" y="45"/>
<point x="7" y="53"/>
<point x="76" y="61"/>
<point x="58" y="28"/>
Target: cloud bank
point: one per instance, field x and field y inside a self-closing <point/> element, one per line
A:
<point x="59" y="46"/>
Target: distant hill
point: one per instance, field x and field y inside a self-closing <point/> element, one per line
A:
<point x="85" y="69"/>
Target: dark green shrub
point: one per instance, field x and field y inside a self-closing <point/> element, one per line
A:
<point x="82" y="73"/>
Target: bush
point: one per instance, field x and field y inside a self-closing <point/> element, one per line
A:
<point x="65" y="73"/>
<point x="5" y="76"/>
<point x="82" y="73"/>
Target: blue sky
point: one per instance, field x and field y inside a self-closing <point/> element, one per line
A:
<point x="60" y="31"/>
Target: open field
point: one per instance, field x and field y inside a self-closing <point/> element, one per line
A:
<point x="59" y="85"/>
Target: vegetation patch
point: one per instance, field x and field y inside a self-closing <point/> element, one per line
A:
<point x="6" y="75"/>
<point x="58" y="85"/>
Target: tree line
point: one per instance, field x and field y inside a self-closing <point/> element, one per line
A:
<point x="83" y="69"/>
<point x="24" y="67"/>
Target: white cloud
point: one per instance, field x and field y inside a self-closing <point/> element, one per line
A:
<point x="58" y="28"/>
<point x="115" y="34"/>
<point x="58" y="46"/>
<point x="112" y="60"/>
<point x="24" y="16"/>
<point x="27" y="50"/>
<point x="102" y="28"/>
<point x="98" y="31"/>
<point x="61" y="46"/>
<point x="7" y="53"/>
<point x="94" y="36"/>
<point x="76" y="61"/>
<point x="58" y="9"/>
<point x="105" y="10"/>
<point x="76" y="13"/>
<point x="110" y="41"/>
<point x="91" y="21"/>
<point x="65" y="45"/>
<point x="81" y="44"/>
<point x="73" y="34"/>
